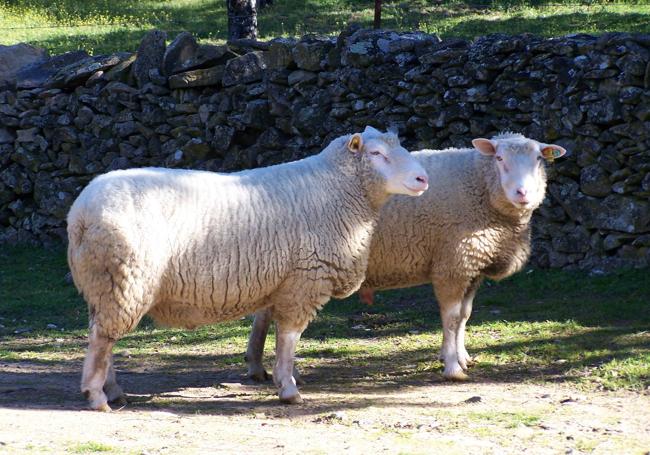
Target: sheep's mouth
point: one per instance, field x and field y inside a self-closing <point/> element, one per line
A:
<point x="417" y="191"/>
<point x="523" y="205"/>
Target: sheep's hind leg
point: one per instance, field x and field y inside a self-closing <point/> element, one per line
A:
<point x="112" y="389"/>
<point x="95" y="370"/>
<point x="286" y="341"/>
<point x="255" y="351"/>
<point x="464" y="359"/>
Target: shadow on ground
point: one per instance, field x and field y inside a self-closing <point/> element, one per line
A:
<point x="188" y="383"/>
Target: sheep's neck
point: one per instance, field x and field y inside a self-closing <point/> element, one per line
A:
<point x="373" y="187"/>
<point x="364" y="180"/>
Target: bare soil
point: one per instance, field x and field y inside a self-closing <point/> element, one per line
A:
<point x="195" y="409"/>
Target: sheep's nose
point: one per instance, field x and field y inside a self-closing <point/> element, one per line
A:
<point x="521" y="191"/>
<point x="423" y="179"/>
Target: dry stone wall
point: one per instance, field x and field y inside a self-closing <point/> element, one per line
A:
<point x="67" y="118"/>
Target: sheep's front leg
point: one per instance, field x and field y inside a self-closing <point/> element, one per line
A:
<point x="464" y="358"/>
<point x="286" y="341"/>
<point x="255" y="351"/>
<point x="450" y="302"/>
<point x="95" y="370"/>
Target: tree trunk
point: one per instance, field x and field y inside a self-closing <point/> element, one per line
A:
<point x="377" y="21"/>
<point x="242" y="19"/>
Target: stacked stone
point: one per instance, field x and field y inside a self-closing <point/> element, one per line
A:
<point x="68" y="118"/>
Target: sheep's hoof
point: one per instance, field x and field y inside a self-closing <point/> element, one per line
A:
<point x="455" y="374"/>
<point x="466" y="363"/>
<point x="293" y="399"/>
<point x="290" y="395"/>
<point x="104" y="408"/>
<point x="97" y="401"/>
<point x="119" y="401"/>
<point x="259" y="375"/>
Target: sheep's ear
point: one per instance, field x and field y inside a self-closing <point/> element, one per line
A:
<point x="551" y="152"/>
<point x="371" y="130"/>
<point x="393" y="129"/>
<point x="355" y="143"/>
<point x="485" y="146"/>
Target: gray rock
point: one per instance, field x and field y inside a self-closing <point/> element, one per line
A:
<point x="14" y="58"/>
<point x="156" y="78"/>
<point x="37" y="73"/>
<point x="183" y="48"/>
<point x="616" y="213"/>
<point x="604" y="112"/>
<point x="198" y="78"/>
<point x="298" y="76"/>
<point x="16" y="178"/>
<point x="245" y="69"/>
<point x="478" y="94"/>
<point x="78" y="72"/>
<point x="122" y="69"/>
<point x="280" y="53"/>
<point x="149" y="56"/>
<point x="125" y="129"/>
<point x="309" y="52"/>
<point x="28" y="135"/>
<point x="222" y="138"/>
<point x="6" y="136"/>
<point x="645" y="183"/>
<point x="613" y="241"/>
<point x="574" y="241"/>
<point x="594" y="181"/>
<point x="206" y="56"/>
<point x="195" y="149"/>
<point x="257" y="114"/>
<point x="84" y="116"/>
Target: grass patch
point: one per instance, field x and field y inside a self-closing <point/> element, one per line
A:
<point x="90" y="447"/>
<point x="102" y="26"/>
<point x="504" y="419"/>
<point x="536" y="326"/>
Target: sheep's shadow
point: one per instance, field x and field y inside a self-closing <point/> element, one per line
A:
<point x="185" y="383"/>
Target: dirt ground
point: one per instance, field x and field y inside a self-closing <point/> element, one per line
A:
<point x="197" y="410"/>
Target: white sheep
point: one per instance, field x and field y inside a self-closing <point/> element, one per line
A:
<point x="191" y="248"/>
<point x="473" y="222"/>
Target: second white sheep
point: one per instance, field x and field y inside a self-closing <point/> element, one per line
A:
<point x="473" y="222"/>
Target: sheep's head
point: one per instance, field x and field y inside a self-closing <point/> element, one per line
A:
<point x="520" y="164"/>
<point x="391" y="163"/>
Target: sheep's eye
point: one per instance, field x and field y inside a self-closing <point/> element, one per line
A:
<point x="499" y="158"/>
<point x="540" y="158"/>
<point x="375" y="152"/>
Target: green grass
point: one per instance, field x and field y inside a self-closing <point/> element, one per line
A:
<point x="90" y="447"/>
<point x="505" y="419"/>
<point x="537" y="326"/>
<point x="102" y="26"/>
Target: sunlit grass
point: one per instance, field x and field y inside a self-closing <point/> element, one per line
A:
<point x="90" y="447"/>
<point x="102" y="26"/>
